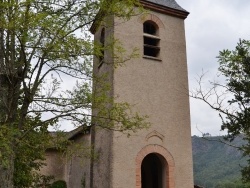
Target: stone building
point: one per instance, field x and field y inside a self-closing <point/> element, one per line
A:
<point x="157" y="82"/>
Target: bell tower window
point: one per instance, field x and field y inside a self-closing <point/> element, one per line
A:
<point x="151" y="40"/>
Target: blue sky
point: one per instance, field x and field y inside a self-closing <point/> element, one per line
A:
<point x="212" y="25"/>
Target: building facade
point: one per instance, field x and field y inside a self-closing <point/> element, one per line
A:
<point x="156" y="82"/>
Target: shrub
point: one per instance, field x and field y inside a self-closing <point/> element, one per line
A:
<point x="59" y="184"/>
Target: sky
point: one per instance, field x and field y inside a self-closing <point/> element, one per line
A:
<point x="212" y="25"/>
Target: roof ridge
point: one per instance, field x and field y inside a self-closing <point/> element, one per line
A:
<point x="168" y="3"/>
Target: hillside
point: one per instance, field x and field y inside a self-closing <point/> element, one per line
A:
<point x="216" y="163"/>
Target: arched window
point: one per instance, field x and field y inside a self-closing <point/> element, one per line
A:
<point x="153" y="171"/>
<point x="102" y="41"/>
<point x="151" y="39"/>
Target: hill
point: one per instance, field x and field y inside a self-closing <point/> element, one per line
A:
<point x="217" y="165"/>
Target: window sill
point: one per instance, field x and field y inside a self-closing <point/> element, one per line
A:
<point x="153" y="58"/>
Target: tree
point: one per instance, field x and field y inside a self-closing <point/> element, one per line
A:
<point x="232" y="99"/>
<point x="30" y="153"/>
<point x="42" y="44"/>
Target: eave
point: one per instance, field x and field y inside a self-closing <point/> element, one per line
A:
<point x="164" y="9"/>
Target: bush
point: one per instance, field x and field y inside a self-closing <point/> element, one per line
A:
<point x="59" y="184"/>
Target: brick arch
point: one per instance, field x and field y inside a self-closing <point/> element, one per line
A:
<point x="152" y="17"/>
<point x="156" y="149"/>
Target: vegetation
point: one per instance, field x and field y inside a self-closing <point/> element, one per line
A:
<point x="217" y="165"/>
<point x="59" y="184"/>
<point x="28" y="153"/>
<point x="233" y="184"/>
<point x="43" y="44"/>
<point x="232" y="99"/>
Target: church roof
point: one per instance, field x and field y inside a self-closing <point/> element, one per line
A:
<point x="169" y="7"/>
<point x="168" y="3"/>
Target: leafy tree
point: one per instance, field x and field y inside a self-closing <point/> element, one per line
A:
<point x="29" y="154"/>
<point x="42" y="45"/>
<point x="232" y="99"/>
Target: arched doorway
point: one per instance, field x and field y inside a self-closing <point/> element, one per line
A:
<point x="153" y="171"/>
<point x="163" y="166"/>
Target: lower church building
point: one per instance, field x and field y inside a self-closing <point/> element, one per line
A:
<point x="156" y="83"/>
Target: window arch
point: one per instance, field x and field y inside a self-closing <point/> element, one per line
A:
<point x="151" y="39"/>
<point x="150" y="27"/>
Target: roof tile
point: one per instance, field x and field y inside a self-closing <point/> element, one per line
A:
<point x="168" y="3"/>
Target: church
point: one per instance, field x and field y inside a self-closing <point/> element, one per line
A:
<point x="157" y="82"/>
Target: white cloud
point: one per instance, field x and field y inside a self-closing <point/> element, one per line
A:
<point x="211" y="26"/>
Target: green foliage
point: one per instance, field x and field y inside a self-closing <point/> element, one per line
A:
<point x="43" y="44"/>
<point x="215" y="162"/>
<point x="7" y="135"/>
<point x="83" y="182"/>
<point x="29" y="153"/>
<point x="59" y="184"/>
<point x="40" y="181"/>
<point x="232" y="98"/>
<point x="235" y="66"/>
<point x="232" y="184"/>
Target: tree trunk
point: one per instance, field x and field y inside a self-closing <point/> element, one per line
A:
<point x="6" y="174"/>
<point x="6" y="170"/>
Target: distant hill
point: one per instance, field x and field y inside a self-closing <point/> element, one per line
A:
<point x="215" y="163"/>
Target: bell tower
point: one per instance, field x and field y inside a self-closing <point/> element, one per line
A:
<point x="156" y="82"/>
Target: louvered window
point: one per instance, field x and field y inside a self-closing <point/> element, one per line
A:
<point x="151" y="39"/>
